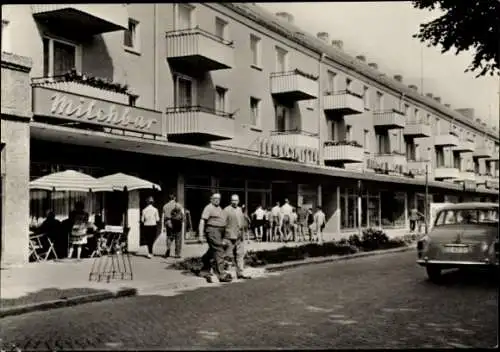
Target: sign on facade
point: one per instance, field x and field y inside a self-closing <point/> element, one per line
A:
<point x="64" y="105"/>
<point x="282" y="151"/>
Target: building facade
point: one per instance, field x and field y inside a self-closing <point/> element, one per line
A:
<point x="226" y="97"/>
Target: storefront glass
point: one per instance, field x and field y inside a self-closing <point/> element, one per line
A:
<point x="392" y="208"/>
<point x="349" y="208"/>
<point x="370" y="203"/>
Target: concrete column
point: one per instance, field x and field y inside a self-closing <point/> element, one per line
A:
<point x="16" y="113"/>
<point x="332" y="210"/>
<point x="134" y="220"/>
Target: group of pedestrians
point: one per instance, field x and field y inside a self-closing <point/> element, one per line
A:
<point x="286" y="223"/>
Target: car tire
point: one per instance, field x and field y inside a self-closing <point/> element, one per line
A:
<point x="433" y="273"/>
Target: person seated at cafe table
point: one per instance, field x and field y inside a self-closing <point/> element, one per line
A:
<point x="79" y="220"/>
<point x="50" y="227"/>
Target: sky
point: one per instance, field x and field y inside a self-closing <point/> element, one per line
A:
<point x="382" y="32"/>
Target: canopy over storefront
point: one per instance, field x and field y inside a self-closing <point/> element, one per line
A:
<point x="120" y="180"/>
<point x="71" y="181"/>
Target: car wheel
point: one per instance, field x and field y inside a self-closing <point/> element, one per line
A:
<point x="434" y="273"/>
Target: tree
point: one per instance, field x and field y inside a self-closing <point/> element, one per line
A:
<point x="471" y="24"/>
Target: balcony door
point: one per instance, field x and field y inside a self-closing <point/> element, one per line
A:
<point x="60" y="57"/>
<point x="440" y="157"/>
<point x="383" y="143"/>
<point x="184" y="91"/>
<point x="283" y="119"/>
<point x="281" y="60"/>
<point x="411" y="150"/>
<point x="184" y="19"/>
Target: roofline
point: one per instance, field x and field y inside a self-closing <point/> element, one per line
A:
<point x="351" y="62"/>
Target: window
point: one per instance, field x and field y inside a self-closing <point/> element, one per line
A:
<point x="184" y="91"/>
<point x="392" y="206"/>
<point x="184" y="18"/>
<point x="411" y="150"/>
<point x="348" y="132"/>
<point x="457" y="161"/>
<point x="366" y="97"/>
<point x="366" y="139"/>
<point x="281" y="60"/>
<point x="348" y="84"/>
<point x="131" y="35"/>
<point x="220" y="99"/>
<point x="255" y="111"/>
<point x="335" y="134"/>
<point x="383" y="143"/>
<point x="220" y="28"/>
<point x="330" y="76"/>
<point x="466" y="216"/>
<point x="440" y="157"/>
<point x="417" y="116"/>
<point x="283" y="122"/>
<point x="5" y="36"/>
<point x="428" y="119"/>
<point x="255" y="48"/>
<point x="379" y="101"/>
<point x="59" y="57"/>
<point x="438" y="126"/>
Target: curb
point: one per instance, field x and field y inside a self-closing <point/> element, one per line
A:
<point x="66" y="302"/>
<point x="294" y="264"/>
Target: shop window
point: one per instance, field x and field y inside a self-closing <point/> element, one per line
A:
<point x="349" y="208"/>
<point x="254" y="184"/>
<point x="373" y="210"/>
<point x="60" y="57"/>
<point x="392" y="209"/>
<point x="200" y="181"/>
<point x="233" y="183"/>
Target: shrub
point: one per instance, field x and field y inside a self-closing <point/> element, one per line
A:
<point x="354" y="240"/>
<point x="374" y="239"/>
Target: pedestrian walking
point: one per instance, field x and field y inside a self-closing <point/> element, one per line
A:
<point x="302" y="224"/>
<point x="275" y="221"/>
<point x="150" y="219"/>
<point x="415" y="216"/>
<point x="310" y="223"/>
<point x="268" y="227"/>
<point x="259" y="216"/>
<point x="319" y="224"/>
<point x="286" y="212"/>
<point x="212" y="225"/>
<point x="173" y="215"/>
<point x="294" y="224"/>
<point x="235" y="222"/>
<point x="246" y="223"/>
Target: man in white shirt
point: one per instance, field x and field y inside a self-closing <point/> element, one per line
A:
<point x="319" y="224"/>
<point x="286" y="212"/>
<point x="150" y="219"/>
<point x="259" y="216"/>
<point x="275" y="221"/>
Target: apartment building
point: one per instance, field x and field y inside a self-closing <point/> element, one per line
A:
<point x="221" y="97"/>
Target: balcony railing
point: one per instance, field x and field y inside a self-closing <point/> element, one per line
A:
<point x="199" y="124"/>
<point x="466" y="176"/>
<point x="494" y="157"/>
<point x="464" y="146"/>
<point x="389" y="119"/>
<point x="295" y="138"/>
<point x="294" y="85"/>
<point x="492" y="182"/>
<point x="343" y="152"/>
<point x="344" y="102"/>
<point x="417" y="167"/>
<point x="394" y="160"/>
<point x="417" y="129"/>
<point x="199" y="50"/>
<point x="446" y="140"/>
<point x="89" y="18"/>
<point x="446" y="172"/>
<point x="85" y="85"/>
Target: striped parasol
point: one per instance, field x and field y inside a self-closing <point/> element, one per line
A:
<point x="120" y="180"/>
<point x="70" y="180"/>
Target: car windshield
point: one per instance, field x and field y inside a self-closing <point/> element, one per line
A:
<point x="467" y="216"/>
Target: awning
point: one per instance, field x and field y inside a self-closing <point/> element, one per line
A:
<point x="120" y="180"/>
<point x="70" y="180"/>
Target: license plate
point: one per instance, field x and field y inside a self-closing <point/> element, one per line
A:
<point x="456" y="249"/>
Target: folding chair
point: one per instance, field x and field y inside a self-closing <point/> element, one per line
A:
<point x="50" y="249"/>
<point x="34" y="246"/>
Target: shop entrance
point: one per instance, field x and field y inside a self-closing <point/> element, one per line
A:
<point x="282" y="190"/>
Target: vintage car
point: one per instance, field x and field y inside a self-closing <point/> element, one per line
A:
<point x="464" y="235"/>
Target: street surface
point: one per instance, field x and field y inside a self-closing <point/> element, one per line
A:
<point x="374" y="302"/>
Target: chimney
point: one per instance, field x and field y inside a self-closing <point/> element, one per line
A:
<point x="447" y="105"/>
<point x="361" y="58"/>
<point x="429" y="95"/>
<point x="413" y="87"/>
<point x="398" y="78"/>
<point x="373" y="65"/>
<point x="467" y="112"/>
<point x="478" y="120"/>
<point x="285" y="16"/>
<point x="438" y="99"/>
<point x="324" y="36"/>
<point x="338" y="43"/>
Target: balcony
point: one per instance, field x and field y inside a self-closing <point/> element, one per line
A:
<point x="295" y="138"/>
<point x="197" y="50"/>
<point x="446" y="140"/>
<point x="390" y="119"/>
<point x="464" y="146"/>
<point x="393" y="163"/>
<point x="92" y="87"/>
<point x="417" y="167"/>
<point x="343" y="102"/>
<point x="417" y="129"/>
<point x="466" y="176"/>
<point x="198" y="125"/>
<point x="294" y="85"/>
<point x="342" y="152"/>
<point x="481" y="179"/>
<point x="91" y="19"/>
<point x="446" y="173"/>
<point x="482" y="152"/>
<point x="494" y="157"/>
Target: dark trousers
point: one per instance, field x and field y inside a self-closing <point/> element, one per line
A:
<point x="215" y="250"/>
<point x="149" y="233"/>
<point x="174" y="235"/>
<point x="413" y="224"/>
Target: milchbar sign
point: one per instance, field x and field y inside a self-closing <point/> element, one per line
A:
<point x="69" y="106"/>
